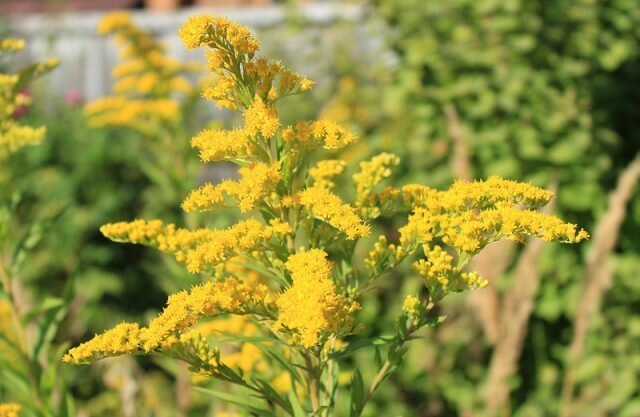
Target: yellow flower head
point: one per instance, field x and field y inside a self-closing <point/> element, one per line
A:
<point x="311" y="308"/>
<point x="256" y="182"/>
<point x="411" y="306"/>
<point x="194" y="30"/>
<point x="372" y="173"/>
<point x="328" y="207"/>
<point x="325" y="170"/>
<point x="122" y="339"/>
<point x="114" y="22"/>
<point x="11" y="45"/>
<point x="440" y="272"/>
<point x="261" y="119"/>
<point x="219" y="145"/>
<point x="10" y="410"/>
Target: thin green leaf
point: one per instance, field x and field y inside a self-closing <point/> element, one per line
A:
<point x="238" y="400"/>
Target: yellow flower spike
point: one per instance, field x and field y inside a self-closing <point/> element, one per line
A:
<point x="306" y="84"/>
<point x="372" y="173"/>
<point x="221" y="245"/>
<point x="279" y="227"/>
<point x="113" y="22"/>
<point x="122" y="339"/>
<point x="328" y="207"/>
<point x="310" y="308"/>
<point x="215" y="59"/>
<point x="13" y="135"/>
<point x="16" y="136"/>
<point x="261" y="119"/>
<point x="256" y="182"/>
<point x="440" y="272"/>
<point x="411" y="306"/>
<point x="153" y="233"/>
<point x="173" y="325"/>
<point x="194" y="30"/>
<point x="204" y="198"/>
<point x="332" y="135"/>
<point x="10" y="410"/>
<point x="12" y="44"/>
<point x="282" y="383"/>
<point x="146" y="81"/>
<point x="325" y="170"/>
<point x="177" y="316"/>
<point x="218" y="145"/>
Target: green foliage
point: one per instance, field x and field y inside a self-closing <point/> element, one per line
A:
<point x="536" y="91"/>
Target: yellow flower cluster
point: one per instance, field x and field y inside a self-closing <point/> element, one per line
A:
<point x="239" y="239"/>
<point x="167" y="238"/>
<point x="256" y="182"/>
<point x="469" y="216"/>
<point x="10" y="410"/>
<point x="372" y="173"/>
<point x="261" y="119"/>
<point x="232" y="56"/>
<point x="146" y="69"/>
<point x="182" y="312"/>
<point x="328" y="207"/>
<point x="123" y="338"/>
<point x="12" y="45"/>
<point x="440" y="273"/>
<point x="146" y="80"/>
<point x="217" y="31"/>
<point x="219" y="145"/>
<point x="311" y="307"/>
<point x="320" y="133"/>
<point x="198" y="249"/>
<point x="13" y="135"/>
<point x="384" y="256"/>
<point x="7" y="351"/>
<point x="464" y="195"/>
<point x="325" y="170"/>
<point x="411" y="306"/>
<point x="137" y="114"/>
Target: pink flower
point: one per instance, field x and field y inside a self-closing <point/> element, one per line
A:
<point x="74" y="97"/>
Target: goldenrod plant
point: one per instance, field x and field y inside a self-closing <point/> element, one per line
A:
<point x="29" y="369"/>
<point x="288" y="280"/>
<point x="153" y="97"/>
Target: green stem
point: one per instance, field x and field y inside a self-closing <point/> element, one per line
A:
<point x="382" y="373"/>
<point x="312" y="382"/>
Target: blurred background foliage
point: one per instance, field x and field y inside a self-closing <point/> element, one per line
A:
<point x="538" y="91"/>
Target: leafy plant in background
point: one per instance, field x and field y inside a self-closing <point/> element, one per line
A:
<point x="304" y="242"/>
<point x="29" y="360"/>
<point x="539" y="92"/>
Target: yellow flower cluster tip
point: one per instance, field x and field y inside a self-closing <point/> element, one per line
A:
<point x="372" y="173"/>
<point x="469" y="216"/>
<point x="328" y="207"/>
<point x="146" y="80"/>
<point x="256" y="182"/>
<point x="14" y="135"/>
<point x="325" y="170"/>
<point x="12" y="44"/>
<point x="199" y="249"/>
<point x="10" y="410"/>
<point x="311" y="307"/>
<point x="137" y="114"/>
<point x="232" y="56"/>
<point x="411" y="306"/>
<point x="219" y="145"/>
<point x="182" y="312"/>
<point x="439" y="272"/>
